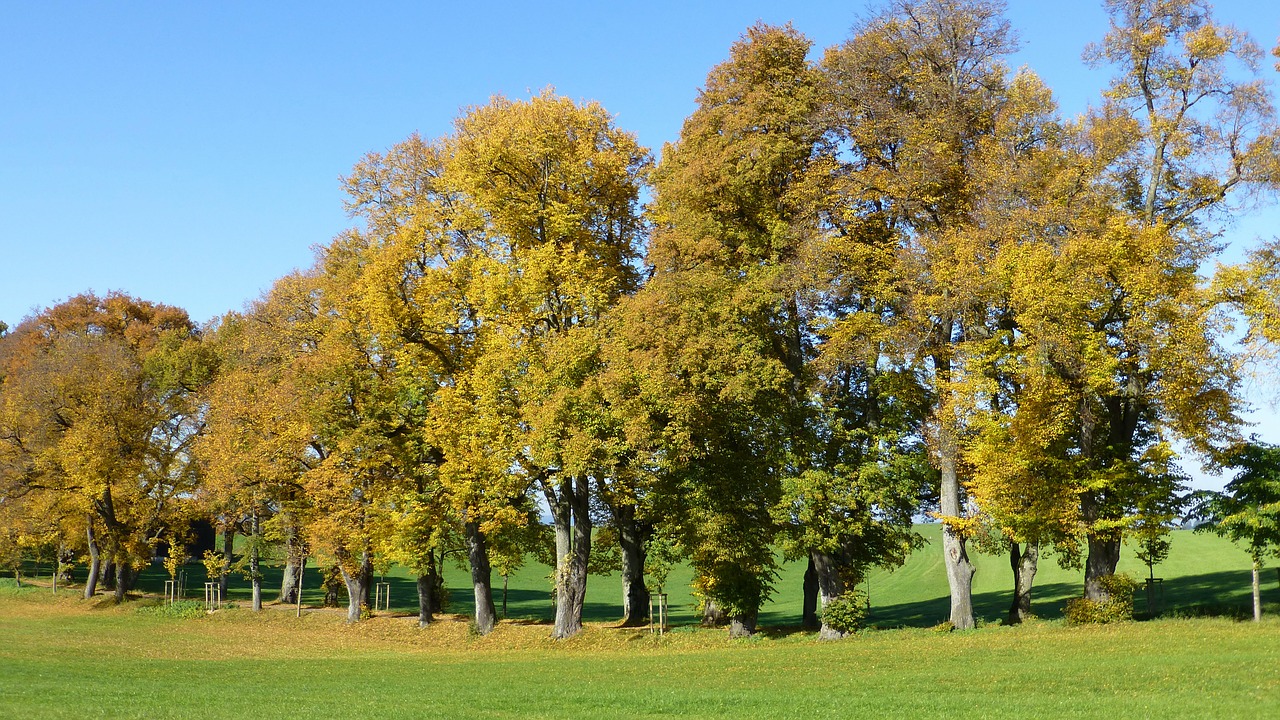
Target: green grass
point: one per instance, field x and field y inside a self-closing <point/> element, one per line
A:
<point x="63" y="657"/>
<point x="1203" y="575"/>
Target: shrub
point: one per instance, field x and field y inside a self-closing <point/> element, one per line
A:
<point x="846" y="612"/>
<point x="180" y="610"/>
<point x="1119" y="606"/>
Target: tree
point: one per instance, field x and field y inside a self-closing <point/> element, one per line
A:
<point x="99" y="411"/>
<point x="726" y="335"/>
<point x="1186" y="135"/>
<point x="916" y="101"/>
<point x="1248" y="508"/>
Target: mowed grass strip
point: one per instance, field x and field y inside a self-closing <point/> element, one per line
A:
<point x="71" y="658"/>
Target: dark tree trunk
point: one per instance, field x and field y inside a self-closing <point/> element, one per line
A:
<point x="292" y="566"/>
<point x="331" y="583"/>
<point x="809" y="612"/>
<point x="95" y="564"/>
<point x="122" y="575"/>
<point x="1023" y="561"/>
<point x="426" y="592"/>
<point x="228" y="544"/>
<point x="830" y="586"/>
<point x="570" y="514"/>
<point x="635" y="594"/>
<point x="358" y="587"/>
<point x="66" y="567"/>
<point x="426" y="586"/>
<point x="481" y="577"/>
<point x="1103" y="555"/>
<point x="109" y="574"/>
<point x="712" y="614"/>
<point x="742" y="626"/>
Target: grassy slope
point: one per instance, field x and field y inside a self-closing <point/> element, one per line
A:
<point x="61" y="658"/>
<point x="1202" y="570"/>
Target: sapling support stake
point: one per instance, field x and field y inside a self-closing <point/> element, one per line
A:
<point x="302" y="571"/>
<point x="382" y="596"/>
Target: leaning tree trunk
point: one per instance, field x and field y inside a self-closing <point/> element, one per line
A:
<point x="1103" y="555"/>
<point x="95" y="564"/>
<point x="573" y="549"/>
<point x="481" y="577"/>
<point x="809" y="609"/>
<point x="1257" y="592"/>
<point x="635" y="594"/>
<point x="960" y="569"/>
<point x="228" y="545"/>
<point x="358" y="585"/>
<point x="1023" y="561"/>
<point x="830" y="586"/>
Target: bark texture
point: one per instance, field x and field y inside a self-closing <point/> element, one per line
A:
<point x="291" y="579"/>
<point x="955" y="554"/>
<point x="1103" y="552"/>
<point x="359" y="583"/>
<point x="635" y="594"/>
<point x="742" y="626"/>
<point x="481" y="577"/>
<point x="1023" y="561"/>
<point x="571" y="516"/>
<point x="712" y="614"/>
<point x="830" y="586"/>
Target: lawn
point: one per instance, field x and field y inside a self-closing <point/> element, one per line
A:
<point x="61" y="656"/>
<point x="66" y="657"/>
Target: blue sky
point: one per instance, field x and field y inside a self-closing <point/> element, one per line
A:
<point x="189" y="153"/>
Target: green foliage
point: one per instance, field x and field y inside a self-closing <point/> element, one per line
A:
<point x="846" y="612"/>
<point x="180" y="610"/>
<point x="1118" y="607"/>
<point x="1248" y="509"/>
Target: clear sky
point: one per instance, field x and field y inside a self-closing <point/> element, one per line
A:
<point x="189" y="153"/>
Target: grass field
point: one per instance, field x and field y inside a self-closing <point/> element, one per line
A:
<point x="61" y="656"/>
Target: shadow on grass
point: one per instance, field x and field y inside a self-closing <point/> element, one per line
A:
<point x="1215" y="594"/>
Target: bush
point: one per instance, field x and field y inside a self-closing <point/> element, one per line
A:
<point x="1120" y="588"/>
<point x="846" y="612"/>
<point x="180" y="610"/>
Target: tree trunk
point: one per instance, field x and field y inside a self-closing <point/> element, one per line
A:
<point x="573" y="549"/>
<point x="1257" y="593"/>
<point x="712" y="614"/>
<point x="122" y="580"/>
<point x="66" y="565"/>
<point x="955" y="555"/>
<point x="481" y="577"/>
<point x="635" y="594"/>
<point x="426" y="592"/>
<point x="742" y="626"/>
<point x="358" y="587"/>
<point x="291" y="579"/>
<point x="95" y="564"/>
<point x="228" y="544"/>
<point x="830" y="586"/>
<point x="1023" y="561"/>
<point x="1103" y="555"/>
<point x="255" y="562"/>
<point x="809" y="612"/>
